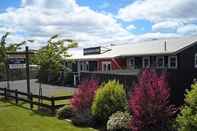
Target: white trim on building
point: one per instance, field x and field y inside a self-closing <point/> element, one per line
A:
<point x="172" y="62"/>
<point x="160" y="62"/>
<point x="106" y="65"/>
<point x="195" y="60"/>
<point x="131" y="63"/>
<point x="146" y="62"/>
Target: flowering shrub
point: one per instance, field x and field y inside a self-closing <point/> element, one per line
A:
<point x="187" y="119"/>
<point x="119" y="121"/>
<point x="149" y="103"/>
<point x="83" y="96"/>
<point x="110" y="98"/>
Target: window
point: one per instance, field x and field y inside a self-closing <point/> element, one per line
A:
<point x="160" y="61"/>
<point x="106" y="66"/>
<point x="146" y="62"/>
<point x="172" y="62"/>
<point x="131" y="62"/>
<point x="195" y="60"/>
<point x="84" y="65"/>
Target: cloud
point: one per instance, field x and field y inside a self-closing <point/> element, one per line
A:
<point x="166" y="26"/>
<point x="39" y="20"/>
<point x="159" y="10"/>
<point x="190" y="29"/>
<point x="155" y="35"/>
<point x="130" y="27"/>
<point x="168" y="18"/>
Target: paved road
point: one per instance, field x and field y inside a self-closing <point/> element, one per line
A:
<point x="47" y="89"/>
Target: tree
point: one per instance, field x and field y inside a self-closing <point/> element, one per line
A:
<point x="4" y="48"/>
<point x="187" y="119"/>
<point x="50" y="58"/>
<point x="149" y="103"/>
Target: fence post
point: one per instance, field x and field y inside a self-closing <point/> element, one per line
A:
<point x="31" y="101"/>
<point x="16" y="96"/>
<point x="5" y="93"/>
<point x="52" y="105"/>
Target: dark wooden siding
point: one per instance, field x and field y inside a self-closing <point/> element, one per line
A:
<point x="182" y="77"/>
<point x="126" y="80"/>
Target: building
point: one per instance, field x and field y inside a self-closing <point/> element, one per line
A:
<point x="176" y="56"/>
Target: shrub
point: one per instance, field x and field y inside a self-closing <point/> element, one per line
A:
<point x="119" y="121"/>
<point x="64" y="113"/>
<point x="83" y="96"/>
<point x="83" y="118"/>
<point x="109" y="99"/>
<point x="149" y="103"/>
<point x="187" y="119"/>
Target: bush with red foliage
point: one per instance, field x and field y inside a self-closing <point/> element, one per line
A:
<point x="83" y="96"/>
<point x="149" y="103"/>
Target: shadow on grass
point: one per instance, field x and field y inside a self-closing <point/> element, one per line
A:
<point x="26" y="106"/>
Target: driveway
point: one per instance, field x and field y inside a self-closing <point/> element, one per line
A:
<point x="47" y="90"/>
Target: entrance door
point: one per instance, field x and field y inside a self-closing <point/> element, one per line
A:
<point x="106" y="66"/>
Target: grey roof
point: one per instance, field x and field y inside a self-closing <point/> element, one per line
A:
<point x="149" y="47"/>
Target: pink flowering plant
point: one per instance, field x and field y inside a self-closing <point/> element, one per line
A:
<point x="83" y="96"/>
<point x="149" y="103"/>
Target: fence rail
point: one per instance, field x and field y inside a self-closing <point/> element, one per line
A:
<point x="25" y="97"/>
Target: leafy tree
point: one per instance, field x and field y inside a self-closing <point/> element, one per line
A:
<point x="187" y="119"/>
<point x="50" y="58"/>
<point x="5" y="47"/>
<point x="149" y="103"/>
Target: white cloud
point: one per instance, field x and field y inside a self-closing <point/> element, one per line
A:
<point x="190" y="29"/>
<point x="170" y="26"/>
<point x="40" y="19"/>
<point x="155" y="35"/>
<point x="130" y="27"/>
<point x="158" y="10"/>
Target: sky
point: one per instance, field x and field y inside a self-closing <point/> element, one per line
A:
<point x="97" y="22"/>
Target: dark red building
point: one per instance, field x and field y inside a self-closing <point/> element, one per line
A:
<point x="176" y="56"/>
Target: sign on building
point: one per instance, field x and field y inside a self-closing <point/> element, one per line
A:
<point x="91" y="51"/>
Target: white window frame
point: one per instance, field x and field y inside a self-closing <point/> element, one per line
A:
<point x="157" y="62"/>
<point x="106" y="63"/>
<point x="169" y="62"/>
<point x="143" y="61"/>
<point x="195" y="60"/>
<point x="129" y="65"/>
<point x="84" y="65"/>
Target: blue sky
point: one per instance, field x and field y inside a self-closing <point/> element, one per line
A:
<point x="96" y="22"/>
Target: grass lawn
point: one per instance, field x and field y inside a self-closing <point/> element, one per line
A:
<point x="15" y="118"/>
<point x="61" y="92"/>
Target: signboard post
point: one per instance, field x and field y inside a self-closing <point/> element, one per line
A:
<point x="27" y="69"/>
<point x="20" y="60"/>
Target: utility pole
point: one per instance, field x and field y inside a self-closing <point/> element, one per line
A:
<point x="7" y="72"/>
<point x="27" y="69"/>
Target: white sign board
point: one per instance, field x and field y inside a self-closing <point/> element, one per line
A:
<point x="17" y="66"/>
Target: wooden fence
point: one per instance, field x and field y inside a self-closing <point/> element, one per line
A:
<point x="21" y="96"/>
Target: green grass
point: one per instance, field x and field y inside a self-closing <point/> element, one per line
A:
<point x="58" y="92"/>
<point x="15" y="118"/>
<point x="61" y="92"/>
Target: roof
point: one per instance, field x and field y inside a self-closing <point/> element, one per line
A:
<point x="149" y="47"/>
